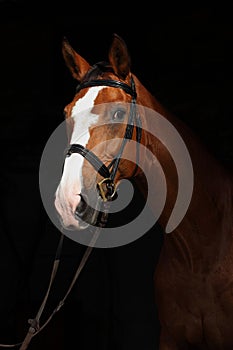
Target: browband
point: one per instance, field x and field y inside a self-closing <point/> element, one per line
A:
<point x="105" y="82"/>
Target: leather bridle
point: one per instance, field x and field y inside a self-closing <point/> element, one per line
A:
<point x="109" y="172"/>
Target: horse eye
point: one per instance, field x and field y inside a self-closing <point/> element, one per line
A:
<point x="119" y="115"/>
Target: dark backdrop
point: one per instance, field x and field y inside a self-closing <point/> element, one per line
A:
<point x="185" y="60"/>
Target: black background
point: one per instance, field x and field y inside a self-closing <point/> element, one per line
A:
<point x="184" y="57"/>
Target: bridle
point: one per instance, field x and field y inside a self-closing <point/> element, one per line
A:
<point x="107" y="190"/>
<point x="108" y="173"/>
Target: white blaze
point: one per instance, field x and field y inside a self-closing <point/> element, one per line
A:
<point x="83" y="119"/>
<point x="68" y="192"/>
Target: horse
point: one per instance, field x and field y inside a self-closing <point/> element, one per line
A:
<point x="193" y="287"/>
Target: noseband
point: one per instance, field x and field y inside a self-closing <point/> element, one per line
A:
<point x="107" y="188"/>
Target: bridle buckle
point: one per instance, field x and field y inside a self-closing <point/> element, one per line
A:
<point x="107" y="189"/>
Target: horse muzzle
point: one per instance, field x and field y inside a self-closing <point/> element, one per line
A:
<point x="77" y="211"/>
<point x="88" y="210"/>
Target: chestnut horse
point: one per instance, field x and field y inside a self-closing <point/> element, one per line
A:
<point x="193" y="279"/>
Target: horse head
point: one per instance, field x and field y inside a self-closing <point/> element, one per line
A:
<point x="101" y="119"/>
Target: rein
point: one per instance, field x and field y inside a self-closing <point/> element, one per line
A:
<point x="106" y="195"/>
<point x="35" y="327"/>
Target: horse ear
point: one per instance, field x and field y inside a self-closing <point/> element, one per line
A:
<point x="76" y="64"/>
<point x="119" y="57"/>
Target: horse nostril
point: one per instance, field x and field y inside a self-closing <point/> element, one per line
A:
<point x="81" y="208"/>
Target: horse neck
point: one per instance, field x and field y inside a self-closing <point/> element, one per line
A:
<point x="205" y="232"/>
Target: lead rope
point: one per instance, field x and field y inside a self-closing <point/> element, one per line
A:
<point x="35" y="327"/>
<point x="103" y="170"/>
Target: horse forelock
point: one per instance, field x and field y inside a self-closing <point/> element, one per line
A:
<point x="97" y="71"/>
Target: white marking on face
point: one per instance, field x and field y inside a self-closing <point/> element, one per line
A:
<point x="69" y="189"/>
<point x="82" y="116"/>
<point x="83" y="119"/>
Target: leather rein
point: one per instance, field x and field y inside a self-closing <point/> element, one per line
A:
<point x="107" y="191"/>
